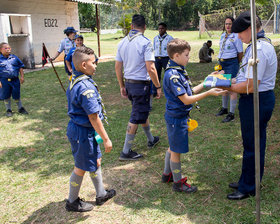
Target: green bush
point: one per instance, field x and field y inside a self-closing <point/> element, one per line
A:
<point x="125" y="23"/>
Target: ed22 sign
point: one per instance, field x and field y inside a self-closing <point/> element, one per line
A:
<point x="50" y="22"/>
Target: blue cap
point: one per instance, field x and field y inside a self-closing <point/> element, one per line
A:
<point x="78" y="36"/>
<point x="70" y="29"/>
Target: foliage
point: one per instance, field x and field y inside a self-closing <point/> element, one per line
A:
<point x="125" y="23"/>
<point x="87" y="16"/>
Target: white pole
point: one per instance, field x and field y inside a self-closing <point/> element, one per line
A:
<point x="256" y="109"/>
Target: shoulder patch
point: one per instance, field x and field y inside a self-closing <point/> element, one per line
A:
<point x="174" y="77"/>
<point x="89" y="93"/>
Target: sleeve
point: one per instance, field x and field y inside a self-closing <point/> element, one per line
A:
<point x="19" y="63"/>
<point x="239" y="45"/>
<point x="149" y="54"/>
<point x="261" y="66"/>
<point x="176" y="86"/>
<point x="118" y="56"/>
<point x="61" y="46"/>
<point x="89" y="101"/>
<point x="69" y="55"/>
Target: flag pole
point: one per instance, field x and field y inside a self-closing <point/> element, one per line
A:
<point x="44" y="47"/>
<point x="256" y="109"/>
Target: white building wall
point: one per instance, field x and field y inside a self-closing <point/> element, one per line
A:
<point x="48" y="20"/>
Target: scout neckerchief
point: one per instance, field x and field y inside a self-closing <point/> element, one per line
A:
<point x="173" y="65"/>
<point x="260" y="36"/>
<point x="133" y="34"/>
<point x="161" y="38"/>
<point x="223" y="45"/>
<point x="77" y="77"/>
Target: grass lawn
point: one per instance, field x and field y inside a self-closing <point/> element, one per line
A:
<point x="36" y="160"/>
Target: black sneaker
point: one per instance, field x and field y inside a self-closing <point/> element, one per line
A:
<point x="9" y="113"/>
<point x="183" y="186"/>
<point x="154" y="143"/>
<point x="234" y="185"/>
<point x="22" y="111"/>
<point x="228" y="118"/>
<point x="101" y="200"/>
<point x="222" y="112"/>
<point x="131" y="155"/>
<point x="167" y="178"/>
<point x="79" y="205"/>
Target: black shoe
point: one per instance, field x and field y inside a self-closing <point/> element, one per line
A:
<point x="154" y="143"/>
<point x="228" y="118"/>
<point x="9" y="113"/>
<point x="22" y="111"/>
<point x="234" y="185"/>
<point x="167" y="178"/>
<point x="130" y="156"/>
<point x="79" y="205"/>
<point x="238" y="196"/>
<point x="222" y="111"/>
<point x="182" y="186"/>
<point x="101" y="200"/>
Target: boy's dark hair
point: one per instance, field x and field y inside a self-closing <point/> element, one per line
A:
<point x="138" y="21"/>
<point x="163" y="24"/>
<point x="177" y="46"/>
<point x="2" y="44"/>
<point x="82" y="54"/>
<point x="209" y="41"/>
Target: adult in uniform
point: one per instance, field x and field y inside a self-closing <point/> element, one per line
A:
<point x="136" y="56"/>
<point x="230" y="55"/>
<point x="160" y="46"/>
<point x="266" y="68"/>
<point x="65" y="45"/>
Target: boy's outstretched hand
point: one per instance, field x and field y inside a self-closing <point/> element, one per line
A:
<point x="0" y="85"/>
<point x="108" y="145"/>
<point x="217" y="92"/>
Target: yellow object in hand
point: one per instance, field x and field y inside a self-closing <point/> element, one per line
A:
<point x="192" y="124"/>
<point x="218" y="67"/>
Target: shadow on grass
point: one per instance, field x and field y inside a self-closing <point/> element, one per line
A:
<point x="55" y="213"/>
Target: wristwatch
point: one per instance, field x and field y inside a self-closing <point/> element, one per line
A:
<point x="158" y="87"/>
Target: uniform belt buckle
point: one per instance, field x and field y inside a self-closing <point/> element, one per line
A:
<point x="221" y="59"/>
<point x="159" y="58"/>
<point x="9" y="80"/>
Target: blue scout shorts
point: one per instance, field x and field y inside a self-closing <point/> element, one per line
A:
<point x="66" y="68"/>
<point x="10" y="87"/>
<point x="177" y="132"/>
<point x="231" y="67"/>
<point x="85" y="149"/>
<point x="139" y="95"/>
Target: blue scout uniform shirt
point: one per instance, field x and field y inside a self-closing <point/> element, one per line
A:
<point x="9" y="67"/>
<point x="175" y="84"/>
<point x="134" y="50"/>
<point x="69" y="57"/>
<point x="65" y="45"/>
<point x="266" y="68"/>
<point x="83" y="99"/>
<point x="232" y="46"/>
<point x="160" y="45"/>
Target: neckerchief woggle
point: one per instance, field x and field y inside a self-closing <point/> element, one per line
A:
<point x="79" y="76"/>
<point x="133" y="34"/>
<point x="173" y="65"/>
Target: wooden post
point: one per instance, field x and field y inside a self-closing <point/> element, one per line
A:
<point x="98" y="28"/>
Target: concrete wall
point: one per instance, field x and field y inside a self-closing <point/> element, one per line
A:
<point x="48" y="20"/>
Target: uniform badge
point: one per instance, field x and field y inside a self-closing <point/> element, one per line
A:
<point x="89" y="95"/>
<point x="175" y="80"/>
<point x="232" y="40"/>
<point x="179" y="89"/>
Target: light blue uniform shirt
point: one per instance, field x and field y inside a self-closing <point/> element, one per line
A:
<point x="232" y="46"/>
<point x="161" y="51"/>
<point x="65" y="45"/>
<point x="134" y="52"/>
<point x="266" y="68"/>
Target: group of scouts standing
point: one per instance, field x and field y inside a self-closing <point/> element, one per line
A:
<point x="138" y="69"/>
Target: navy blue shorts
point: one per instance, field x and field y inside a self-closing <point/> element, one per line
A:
<point x="177" y="132"/>
<point x="139" y="95"/>
<point x="10" y="87"/>
<point x="231" y="67"/>
<point x="66" y="68"/>
<point x="85" y="149"/>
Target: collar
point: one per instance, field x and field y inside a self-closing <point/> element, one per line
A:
<point x="77" y="77"/>
<point x="163" y="36"/>
<point x="174" y="65"/>
<point x="2" y="56"/>
<point x="133" y="33"/>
